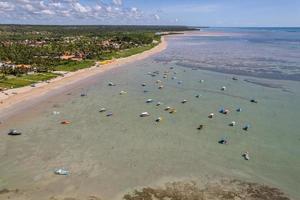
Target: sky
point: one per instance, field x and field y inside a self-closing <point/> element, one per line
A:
<point x="219" y="13"/>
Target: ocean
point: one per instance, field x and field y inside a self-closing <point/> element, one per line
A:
<point x="109" y="156"/>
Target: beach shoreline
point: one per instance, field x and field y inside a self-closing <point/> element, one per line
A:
<point x="12" y="97"/>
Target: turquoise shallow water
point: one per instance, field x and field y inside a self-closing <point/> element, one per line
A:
<point x="110" y="155"/>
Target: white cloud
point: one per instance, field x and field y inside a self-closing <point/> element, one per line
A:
<point x="118" y="2"/>
<point x="5" y="6"/>
<point x="73" y="11"/>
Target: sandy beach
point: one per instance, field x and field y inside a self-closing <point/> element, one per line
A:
<point x="11" y="97"/>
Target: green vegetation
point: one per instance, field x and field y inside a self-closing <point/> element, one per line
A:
<point x="24" y="80"/>
<point x="72" y="66"/>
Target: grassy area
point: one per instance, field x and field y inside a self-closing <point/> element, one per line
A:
<point x="72" y="66"/>
<point x="24" y="80"/>
<point x="125" y="53"/>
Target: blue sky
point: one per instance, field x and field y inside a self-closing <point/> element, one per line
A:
<point x="161" y="12"/>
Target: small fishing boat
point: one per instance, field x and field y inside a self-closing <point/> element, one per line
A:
<point x="109" y="114"/>
<point x="55" y="113"/>
<point x="102" y="110"/>
<point x="223" y="141"/>
<point x="238" y="110"/>
<point x="235" y="78"/>
<point x="201" y="81"/>
<point x="211" y="115"/>
<point x="123" y="92"/>
<point x="246" y="127"/>
<point x="246" y="155"/>
<point x="253" y="101"/>
<point x="158" y="119"/>
<point x="167" y="108"/>
<point x="111" y="84"/>
<point x="179" y="82"/>
<point x="62" y="172"/>
<point x="223" y="88"/>
<point x="184" y="101"/>
<point x="143" y="84"/>
<point x="174" y="77"/>
<point x="83" y="94"/>
<point x="65" y="122"/>
<point x="172" y="110"/>
<point x="158" y="103"/>
<point x="144" y="114"/>
<point x="233" y="123"/>
<point x="14" y="132"/>
<point x="149" y="101"/>
<point x="161" y="87"/>
<point x="200" y="127"/>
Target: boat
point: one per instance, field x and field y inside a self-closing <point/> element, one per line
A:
<point x="111" y="84"/>
<point x="123" y="92"/>
<point x="144" y="114"/>
<point x="246" y="156"/>
<point x="253" y="101"/>
<point x="200" y="127"/>
<point x="102" y="110"/>
<point x="62" y="172"/>
<point x="246" y="127"/>
<point x="149" y="101"/>
<point x="14" y="132"/>
<point x="143" y="84"/>
<point x="238" y="110"/>
<point x="223" y="88"/>
<point x="223" y="141"/>
<point x="174" y="77"/>
<point x="161" y="87"/>
<point x="235" y="78"/>
<point x="198" y="96"/>
<point x="172" y="110"/>
<point x="184" y="101"/>
<point x="158" y="104"/>
<point x="109" y="114"/>
<point x="55" y="113"/>
<point x="167" y="108"/>
<point x="211" y="115"/>
<point x="65" y="122"/>
<point x="158" y="119"/>
<point x="201" y="81"/>
<point x="233" y="123"/>
<point x="179" y="82"/>
<point x="83" y="94"/>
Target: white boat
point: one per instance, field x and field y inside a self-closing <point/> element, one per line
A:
<point x="144" y="114"/>
<point x="123" y="92"/>
<point x="149" y="100"/>
<point x="111" y="84"/>
<point x="233" y="123"/>
<point x="158" y="119"/>
<point x="246" y="156"/>
<point x="184" y="101"/>
<point x="14" y="132"/>
<point x="62" y="172"/>
<point x="223" y="88"/>
<point x="211" y="115"/>
<point x="102" y="110"/>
